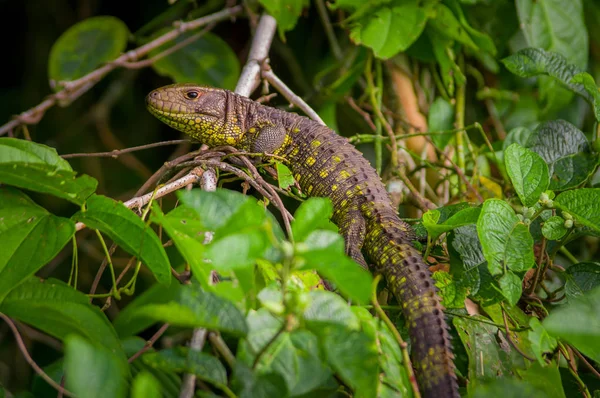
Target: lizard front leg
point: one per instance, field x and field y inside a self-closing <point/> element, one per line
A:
<point x="353" y="228"/>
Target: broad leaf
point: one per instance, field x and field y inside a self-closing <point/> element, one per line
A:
<point x="566" y="151"/>
<point x="323" y="251"/>
<point x="286" y="12"/>
<point x="36" y="167"/>
<point x="506" y="241"/>
<point x="312" y="214"/>
<point x="144" y="385"/>
<point x="465" y="216"/>
<point x="93" y="371"/>
<point x="30" y="237"/>
<point x="541" y="342"/>
<point x="554" y="228"/>
<point x="183" y="360"/>
<point x="193" y="307"/>
<point x="528" y="173"/>
<point x="85" y="46"/>
<point x="207" y="60"/>
<point x="578" y="323"/>
<point x="59" y="310"/>
<point x="583" y="204"/>
<point x="388" y="29"/>
<point x="328" y="308"/>
<point x="581" y="278"/>
<point x="555" y="25"/>
<point x="127" y="230"/>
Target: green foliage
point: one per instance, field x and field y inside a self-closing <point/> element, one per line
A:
<point x="207" y="60"/>
<point x="508" y="206"/>
<point x="85" y="46"/>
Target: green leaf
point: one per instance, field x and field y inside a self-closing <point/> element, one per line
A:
<point x="528" y="173"/>
<point x="389" y="29"/>
<point x="126" y="229"/>
<point x="285" y="179"/>
<point x="445" y="23"/>
<point x="328" y="308"/>
<point x="567" y="152"/>
<point x="554" y="228"/>
<point x="183" y="360"/>
<point x="440" y="118"/>
<point x="312" y="214"/>
<point x="237" y="250"/>
<point x="453" y="294"/>
<point x="208" y="60"/>
<point x="286" y="12"/>
<point x="193" y="307"/>
<point x="127" y="323"/>
<point x="466" y="256"/>
<point x="589" y="85"/>
<point x="30" y="237"/>
<point x="511" y="287"/>
<point x="85" y="46"/>
<point x="541" y="342"/>
<point x="443" y="49"/>
<point x="59" y="310"/>
<point x="581" y="278"/>
<point x="145" y="385"/>
<point x="265" y="385"/>
<point x="354" y="356"/>
<point x="37" y="167"/>
<point x="295" y="356"/>
<point x="506" y="242"/>
<point x="185" y="229"/>
<point x="224" y="211"/>
<point x="490" y="355"/>
<point x="578" y="323"/>
<point x="93" y="371"/>
<point x="555" y="25"/>
<point x="531" y="62"/>
<point x="459" y="219"/>
<point x="481" y="40"/>
<point x="583" y="204"/>
<point x="518" y="135"/>
<point x="323" y="251"/>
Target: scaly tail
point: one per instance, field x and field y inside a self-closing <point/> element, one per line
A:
<point x="409" y="279"/>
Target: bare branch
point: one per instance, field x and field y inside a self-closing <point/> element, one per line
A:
<point x="289" y="94"/>
<point x="259" y="51"/>
<point x="74" y="89"/>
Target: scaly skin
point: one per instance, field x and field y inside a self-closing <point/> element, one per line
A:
<point x="326" y="164"/>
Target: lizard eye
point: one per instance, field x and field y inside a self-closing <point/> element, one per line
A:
<point x="192" y="94"/>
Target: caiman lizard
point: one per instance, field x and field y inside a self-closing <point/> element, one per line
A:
<point x="326" y="164"/>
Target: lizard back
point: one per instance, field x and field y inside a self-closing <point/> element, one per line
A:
<point x="327" y="165"/>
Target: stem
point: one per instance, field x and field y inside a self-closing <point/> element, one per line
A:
<point x="110" y="266"/>
<point x="460" y="122"/>
<point x="396" y="334"/>
<point x="375" y="103"/>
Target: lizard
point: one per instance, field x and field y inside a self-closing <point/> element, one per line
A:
<point x="326" y="164"/>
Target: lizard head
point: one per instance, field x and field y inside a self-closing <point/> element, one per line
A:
<point x="200" y="112"/>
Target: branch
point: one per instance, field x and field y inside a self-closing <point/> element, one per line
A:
<point x="72" y="90"/>
<point x="259" y="51"/>
<point x="30" y="360"/>
<point x="289" y="94"/>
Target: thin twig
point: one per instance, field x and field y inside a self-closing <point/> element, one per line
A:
<point x="587" y="364"/>
<point x="335" y="46"/>
<point x="150" y="342"/>
<point x="403" y="346"/>
<point x="116" y="152"/>
<point x="219" y="344"/>
<point x="74" y="89"/>
<point x="30" y="360"/>
<point x="289" y="94"/>
<point x="510" y="339"/>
